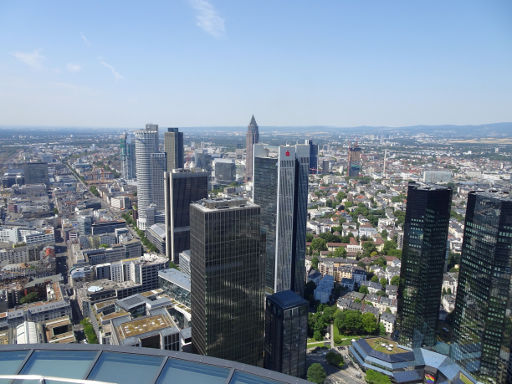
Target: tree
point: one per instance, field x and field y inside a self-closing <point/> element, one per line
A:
<point x="335" y="359"/>
<point x="319" y="244"/>
<point x="316" y="373"/>
<point x="369" y="323"/>
<point x="317" y="335"/>
<point x="368" y="248"/>
<point x="383" y="281"/>
<point x="314" y="262"/>
<point x="340" y="252"/>
<point x="374" y="377"/>
<point x="348" y="322"/>
<point x="309" y="237"/>
<point x="374" y="279"/>
<point x="364" y="289"/>
<point x="89" y="331"/>
<point x="395" y="280"/>
<point x="29" y="298"/>
<point x="384" y="234"/>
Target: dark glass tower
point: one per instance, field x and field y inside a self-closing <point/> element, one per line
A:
<point x="227" y="264"/>
<point x="281" y="189"/>
<point x="423" y="258"/>
<point x="286" y="326"/>
<point x="483" y="309"/>
<point x="354" y="160"/>
<point x="173" y="147"/>
<point x="128" y="156"/>
<point x="182" y="187"/>
<point x="313" y="157"/>
<point x="252" y="137"/>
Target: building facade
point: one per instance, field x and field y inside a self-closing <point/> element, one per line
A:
<point x="182" y="187"/>
<point x="483" y="308"/>
<point x="146" y="143"/>
<point x="313" y="157"/>
<point x="127" y="151"/>
<point x="173" y="147"/>
<point x="286" y="325"/>
<point x="227" y="265"/>
<point x="252" y="137"/>
<point x="423" y="259"/>
<point x="354" y="160"/>
<point x="281" y="189"/>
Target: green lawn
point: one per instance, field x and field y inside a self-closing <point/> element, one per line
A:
<point x="346" y="339"/>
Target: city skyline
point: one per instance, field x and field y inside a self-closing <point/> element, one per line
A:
<point x="450" y="62"/>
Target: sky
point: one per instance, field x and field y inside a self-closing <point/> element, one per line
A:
<point x="290" y="62"/>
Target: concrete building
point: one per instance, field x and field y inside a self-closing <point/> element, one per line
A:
<point x="252" y="137"/>
<point x="173" y="147"/>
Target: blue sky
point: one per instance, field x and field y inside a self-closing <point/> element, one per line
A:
<point x="216" y="62"/>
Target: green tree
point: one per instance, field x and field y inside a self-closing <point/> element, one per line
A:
<point x="374" y="279"/>
<point x="94" y="191"/>
<point x="363" y="289"/>
<point x="89" y="331"/>
<point x="335" y="359"/>
<point x="340" y="252"/>
<point x="383" y="281"/>
<point x="29" y="298"/>
<point x="314" y="262"/>
<point x="309" y="237"/>
<point x="369" y="323"/>
<point x="348" y="322"/>
<point x="368" y="248"/>
<point x="374" y="377"/>
<point x="319" y="244"/>
<point x="316" y="373"/>
<point x="395" y="280"/>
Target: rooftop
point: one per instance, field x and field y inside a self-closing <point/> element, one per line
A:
<point x="140" y="326"/>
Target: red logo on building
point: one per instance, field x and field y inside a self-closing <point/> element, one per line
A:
<point x="287" y="153"/>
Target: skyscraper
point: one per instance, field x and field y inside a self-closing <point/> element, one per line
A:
<point x="354" y="160"/>
<point x="182" y="187"/>
<point x="173" y="147"/>
<point x="252" y="137"/>
<point x="149" y="165"/>
<point x="227" y="265"/>
<point x="286" y="327"/>
<point x="313" y="157"/>
<point x="128" y="161"/>
<point x="423" y="257"/>
<point x="483" y="308"/>
<point x="281" y="190"/>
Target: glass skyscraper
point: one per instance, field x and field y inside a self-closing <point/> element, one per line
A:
<point x="286" y="328"/>
<point x="354" y="160"/>
<point x="252" y="137"/>
<point x="313" y="157"/>
<point x="173" y="147"/>
<point x="128" y="163"/>
<point x="227" y="264"/>
<point x="423" y="259"/>
<point x="281" y="189"/>
<point x="182" y="187"/>
<point x="483" y="309"/>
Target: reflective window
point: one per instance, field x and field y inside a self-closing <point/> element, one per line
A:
<point x="10" y="363"/>
<point x="68" y="364"/>
<point x="179" y="371"/>
<point x="126" y="368"/>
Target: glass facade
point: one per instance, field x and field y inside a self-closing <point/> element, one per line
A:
<point x="173" y="147"/>
<point x="423" y="259"/>
<point x="286" y="324"/>
<point x="483" y="309"/>
<point x="313" y="157"/>
<point x="252" y="137"/>
<point x="227" y="266"/>
<point x="181" y="188"/>
<point x="281" y="189"/>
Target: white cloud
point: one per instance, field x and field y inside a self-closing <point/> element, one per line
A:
<point x="207" y="18"/>
<point x="32" y="59"/>
<point x="85" y="39"/>
<point x="72" y="67"/>
<point x="116" y="74"/>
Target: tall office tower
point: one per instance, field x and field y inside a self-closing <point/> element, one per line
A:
<point x="146" y="143"/>
<point x="313" y="157"/>
<point x="227" y="264"/>
<point x="286" y="333"/>
<point x="182" y="187"/>
<point x="158" y="168"/>
<point x="35" y="173"/>
<point x="385" y="163"/>
<point x="281" y="190"/>
<point x="354" y="160"/>
<point x="173" y="147"/>
<point x="424" y="250"/>
<point x="128" y="163"/>
<point x="252" y="137"/>
<point x="483" y="308"/>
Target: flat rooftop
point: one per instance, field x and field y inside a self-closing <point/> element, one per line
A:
<point x="140" y="326"/>
<point x="385" y="346"/>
